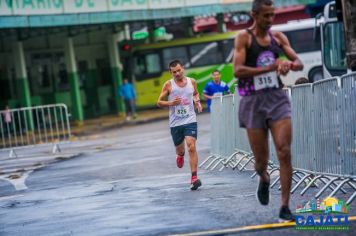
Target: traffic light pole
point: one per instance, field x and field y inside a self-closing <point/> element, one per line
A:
<point x="116" y="71"/>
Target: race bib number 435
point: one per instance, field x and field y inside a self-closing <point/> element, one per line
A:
<point x="182" y="111"/>
<point x="267" y="80"/>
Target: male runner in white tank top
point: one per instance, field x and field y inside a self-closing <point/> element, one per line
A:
<point x="182" y="92"/>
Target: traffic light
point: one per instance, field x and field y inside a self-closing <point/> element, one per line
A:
<point x="125" y="48"/>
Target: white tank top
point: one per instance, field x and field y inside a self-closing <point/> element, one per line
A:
<point x="183" y="113"/>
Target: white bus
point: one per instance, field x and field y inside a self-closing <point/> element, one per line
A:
<point x="333" y="42"/>
<point x="305" y="40"/>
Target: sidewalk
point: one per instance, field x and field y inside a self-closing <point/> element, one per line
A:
<point x="93" y="126"/>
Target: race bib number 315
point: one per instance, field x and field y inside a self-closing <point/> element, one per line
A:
<point x="267" y="80"/>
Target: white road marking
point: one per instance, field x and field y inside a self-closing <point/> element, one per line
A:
<point x="18" y="183"/>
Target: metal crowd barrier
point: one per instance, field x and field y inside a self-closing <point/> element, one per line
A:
<point x="215" y="130"/>
<point x="30" y="126"/>
<point x="323" y="142"/>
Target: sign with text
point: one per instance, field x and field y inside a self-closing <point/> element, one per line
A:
<point x="50" y="7"/>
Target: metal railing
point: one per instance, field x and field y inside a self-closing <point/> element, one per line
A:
<point x="29" y="126"/>
<point x="324" y="136"/>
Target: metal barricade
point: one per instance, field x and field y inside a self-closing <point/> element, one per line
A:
<point x="241" y="135"/>
<point x="348" y="121"/>
<point x="222" y="132"/>
<point x="324" y="136"/>
<point x="29" y="126"/>
<point x="242" y="146"/>
<point x="326" y="124"/>
<point x="216" y="126"/>
<point x="303" y="147"/>
<point x="227" y="136"/>
<point x="229" y="123"/>
<point x="215" y="133"/>
<point x="348" y="132"/>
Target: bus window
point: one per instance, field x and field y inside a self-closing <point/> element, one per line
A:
<point x="152" y="63"/>
<point x="334" y="53"/>
<point x="145" y="65"/>
<point x="170" y="54"/>
<point x="303" y="40"/>
<point x="228" y="50"/>
<point x="205" y="54"/>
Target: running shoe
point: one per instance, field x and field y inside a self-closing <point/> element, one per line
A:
<point x="285" y="215"/>
<point x="263" y="192"/>
<point x="195" y="183"/>
<point x="180" y="161"/>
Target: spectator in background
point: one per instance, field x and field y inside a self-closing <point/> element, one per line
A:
<point x="7" y="118"/>
<point x="127" y="92"/>
<point x="216" y="87"/>
<point x="301" y="80"/>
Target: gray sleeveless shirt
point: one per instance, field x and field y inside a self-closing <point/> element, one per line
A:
<point x="184" y="112"/>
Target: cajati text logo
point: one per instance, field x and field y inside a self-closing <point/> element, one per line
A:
<point x="329" y="214"/>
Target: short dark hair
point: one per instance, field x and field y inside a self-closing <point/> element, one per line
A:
<point x="301" y="80"/>
<point x="215" y="71"/>
<point x="353" y="65"/>
<point x="257" y="4"/>
<point x="174" y="63"/>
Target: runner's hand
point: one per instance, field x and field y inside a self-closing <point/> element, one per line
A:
<point x="199" y="107"/>
<point x="176" y="101"/>
<point x="283" y="67"/>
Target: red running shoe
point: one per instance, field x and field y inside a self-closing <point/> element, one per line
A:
<point x="195" y="183"/>
<point x="180" y="161"/>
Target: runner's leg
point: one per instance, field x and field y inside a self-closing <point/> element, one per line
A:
<point x="258" y="139"/>
<point x="180" y="149"/>
<point x="193" y="160"/>
<point x="259" y="143"/>
<point x="282" y="136"/>
<point x="193" y="155"/>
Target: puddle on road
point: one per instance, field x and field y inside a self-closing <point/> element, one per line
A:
<point x="20" y="204"/>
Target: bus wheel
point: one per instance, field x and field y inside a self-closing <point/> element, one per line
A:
<point x="316" y="74"/>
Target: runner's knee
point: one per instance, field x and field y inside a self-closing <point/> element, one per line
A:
<point x="284" y="152"/>
<point x="191" y="147"/>
<point x="181" y="153"/>
<point x="180" y="150"/>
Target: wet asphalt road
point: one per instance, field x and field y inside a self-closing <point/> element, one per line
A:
<point x="126" y="182"/>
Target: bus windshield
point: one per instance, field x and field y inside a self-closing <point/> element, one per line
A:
<point x="305" y="40"/>
<point x="334" y="53"/>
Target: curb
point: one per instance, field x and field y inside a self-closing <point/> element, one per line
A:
<point x="120" y="124"/>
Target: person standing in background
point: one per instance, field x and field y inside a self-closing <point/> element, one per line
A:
<point x="128" y="93"/>
<point x="301" y="80"/>
<point x="216" y="87"/>
<point x="7" y="118"/>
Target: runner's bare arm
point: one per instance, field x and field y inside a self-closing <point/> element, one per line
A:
<point x="162" y="99"/>
<point x="196" y="96"/>
<point x="296" y="64"/>
<point x="240" y="70"/>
